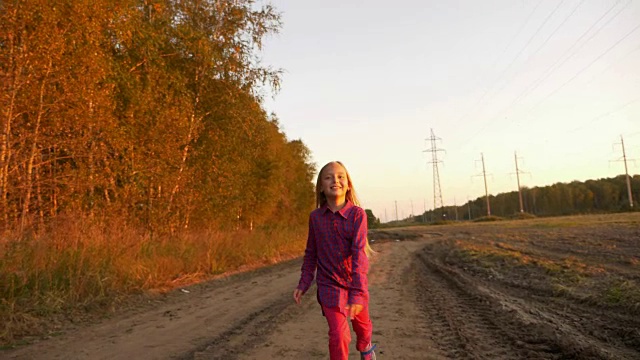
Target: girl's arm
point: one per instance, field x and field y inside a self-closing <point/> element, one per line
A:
<point x="310" y="261"/>
<point x="358" y="292"/>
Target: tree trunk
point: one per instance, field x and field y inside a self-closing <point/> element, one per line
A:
<point x="34" y="150"/>
<point x="15" y="69"/>
<point x="185" y="151"/>
<point x="40" y="204"/>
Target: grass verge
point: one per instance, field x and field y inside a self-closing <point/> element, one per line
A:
<point x="83" y="266"/>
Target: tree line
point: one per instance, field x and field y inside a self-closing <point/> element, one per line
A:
<point x="146" y="109"/>
<point x="591" y="196"/>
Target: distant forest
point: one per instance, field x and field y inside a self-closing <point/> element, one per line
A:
<point x="592" y="196"/>
<point x="146" y="110"/>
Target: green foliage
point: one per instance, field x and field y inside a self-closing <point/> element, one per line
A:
<point x="522" y="216"/>
<point x="592" y="196"/>
<point x="442" y="222"/>
<point x="488" y="218"/>
<point x="372" y="220"/>
<point x="622" y="292"/>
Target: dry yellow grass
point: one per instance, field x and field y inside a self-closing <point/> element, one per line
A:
<point x="86" y="264"/>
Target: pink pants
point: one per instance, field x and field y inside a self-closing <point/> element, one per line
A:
<point x="340" y="334"/>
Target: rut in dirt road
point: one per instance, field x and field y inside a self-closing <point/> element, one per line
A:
<point x="471" y="319"/>
<point x="464" y="325"/>
<point x="246" y="333"/>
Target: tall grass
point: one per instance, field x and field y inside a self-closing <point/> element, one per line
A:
<point x="79" y="264"/>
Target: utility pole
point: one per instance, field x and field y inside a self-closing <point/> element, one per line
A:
<point x="396" y="210"/>
<point x="385" y="215"/>
<point x="626" y="171"/>
<point x="424" y="214"/>
<point x="455" y="207"/>
<point x="411" y="208"/>
<point x="437" y="190"/>
<point x="486" y="190"/>
<point x="469" y="206"/>
<point x="518" y="172"/>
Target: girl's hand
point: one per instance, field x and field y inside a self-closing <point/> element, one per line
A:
<point x="297" y="294"/>
<point x="353" y="310"/>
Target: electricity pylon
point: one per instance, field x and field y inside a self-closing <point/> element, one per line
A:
<point x="437" y="189"/>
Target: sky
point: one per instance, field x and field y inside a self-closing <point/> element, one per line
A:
<point x="366" y="82"/>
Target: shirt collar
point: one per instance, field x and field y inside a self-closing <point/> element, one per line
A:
<point x="344" y="212"/>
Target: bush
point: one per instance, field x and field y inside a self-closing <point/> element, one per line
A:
<point x="522" y="216"/>
<point x="488" y="218"/>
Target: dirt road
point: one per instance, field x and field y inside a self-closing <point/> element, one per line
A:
<point x="421" y="307"/>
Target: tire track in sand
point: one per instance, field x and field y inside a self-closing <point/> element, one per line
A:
<point x="466" y="325"/>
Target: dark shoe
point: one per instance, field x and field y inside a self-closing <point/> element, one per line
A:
<point x="369" y="354"/>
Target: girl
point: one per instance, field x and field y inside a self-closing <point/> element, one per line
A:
<point x="338" y="249"/>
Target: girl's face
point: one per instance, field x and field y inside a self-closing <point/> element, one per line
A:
<point x="334" y="181"/>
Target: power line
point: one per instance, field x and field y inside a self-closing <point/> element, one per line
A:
<point x="539" y="48"/>
<point x="532" y="37"/>
<point x="606" y="114"/>
<point x="588" y="66"/>
<point x="550" y="70"/>
<point x="515" y="58"/>
<point x="559" y="62"/>
<point x="495" y="62"/>
<point x="613" y="64"/>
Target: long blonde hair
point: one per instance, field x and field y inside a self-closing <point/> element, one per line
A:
<point x="321" y="198"/>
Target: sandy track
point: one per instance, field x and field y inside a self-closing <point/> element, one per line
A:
<point x="176" y="326"/>
<point x="399" y="327"/>
<point x="250" y="316"/>
<point x="421" y="307"/>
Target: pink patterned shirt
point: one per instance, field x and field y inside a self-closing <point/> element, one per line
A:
<point x="335" y="250"/>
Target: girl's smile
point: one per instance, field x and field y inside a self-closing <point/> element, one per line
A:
<point x="334" y="181"/>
